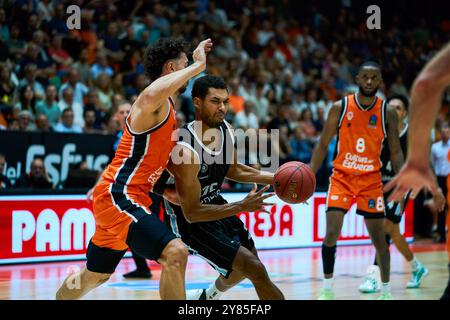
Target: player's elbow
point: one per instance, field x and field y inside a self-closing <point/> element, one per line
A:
<point x="426" y="82"/>
<point x="190" y="216"/>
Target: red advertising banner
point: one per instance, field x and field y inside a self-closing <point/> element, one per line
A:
<point x="59" y="227"/>
<point x="44" y="228"/>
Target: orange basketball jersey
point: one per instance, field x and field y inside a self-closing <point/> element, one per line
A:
<point x="138" y="163"/>
<point x="360" y="136"/>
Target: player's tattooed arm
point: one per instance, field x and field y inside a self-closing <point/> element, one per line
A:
<point x="393" y="139"/>
<point x="189" y="192"/>
<point x="245" y="174"/>
<point x="329" y="130"/>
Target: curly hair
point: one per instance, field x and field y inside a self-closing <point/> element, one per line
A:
<point x="157" y="54"/>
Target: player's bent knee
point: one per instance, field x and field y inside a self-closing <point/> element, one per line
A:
<point x="255" y="270"/>
<point x="175" y="254"/>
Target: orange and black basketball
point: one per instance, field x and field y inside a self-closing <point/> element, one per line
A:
<point x="294" y="182"/>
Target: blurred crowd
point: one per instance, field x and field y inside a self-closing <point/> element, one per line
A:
<point x="283" y="71"/>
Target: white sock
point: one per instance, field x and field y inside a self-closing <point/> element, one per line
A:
<point x="385" y="287"/>
<point x="328" y="283"/>
<point x="414" y="263"/>
<point x="212" y="293"/>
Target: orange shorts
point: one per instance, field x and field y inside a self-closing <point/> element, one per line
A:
<point x="112" y="223"/>
<point x="366" y="188"/>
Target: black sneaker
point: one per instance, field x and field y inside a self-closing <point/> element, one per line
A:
<point x="138" y="274"/>
<point x="446" y="295"/>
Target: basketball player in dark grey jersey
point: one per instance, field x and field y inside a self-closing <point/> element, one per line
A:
<point x="203" y="219"/>
<point x="394" y="210"/>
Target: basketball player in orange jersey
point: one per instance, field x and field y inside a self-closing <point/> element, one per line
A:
<point x="362" y="121"/>
<point x="121" y="198"/>
<point x="426" y="97"/>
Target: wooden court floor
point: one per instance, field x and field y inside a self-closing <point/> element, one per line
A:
<point x="297" y="272"/>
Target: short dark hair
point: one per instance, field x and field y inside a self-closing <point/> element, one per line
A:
<point x="202" y="85"/>
<point x="369" y="64"/>
<point x="157" y="54"/>
<point x="400" y="97"/>
<point x="67" y="110"/>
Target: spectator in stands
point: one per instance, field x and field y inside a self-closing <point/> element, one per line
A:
<point x="25" y="121"/>
<point x="89" y="122"/>
<point x="398" y="87"/>
<point x="101" y="66"/>
<point x="83" y="68"/>
<point x="246" y="119"/>
<point x="42" y="124"/>
<point x="27" y="100"/>
<point x="30" y="72"/>
<point x="58" y="23"/>
<point x="441" y="165"/>
<point x="7" y="87"/>
<point x="4" y="181"/>
<point x="67" y="123"/>
<point x="123" y="110"/>
<point x="160" y="21"/>
<point x="111" y="43"/>
<point x="281" y="120"/>
<point x="59" y="55"/>
<point x="49" y="106"/>
<point x="306" y="123"/>
<point x="67" y="101"/>
<point x="139" y="84"/>
<point x="37" y="178"/>
<point x="92" y="103"/>
<point x="301" y="146"/>
<point x="105" y="93"/>
<point x="110" y="124"/>
<point x="79" y="89"/>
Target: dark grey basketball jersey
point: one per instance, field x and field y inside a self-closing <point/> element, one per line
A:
<point x="387" y="170"/>
<point x="214" y="164"/>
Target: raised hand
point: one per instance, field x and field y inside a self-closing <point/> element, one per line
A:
<point x="199" y="54"/>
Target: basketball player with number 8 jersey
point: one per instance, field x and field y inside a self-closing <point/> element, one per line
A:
<point x="357" y="160"/>
<point x="362" y="121"/>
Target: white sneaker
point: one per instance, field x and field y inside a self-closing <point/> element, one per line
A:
<point x="196" y="294"/>
<point x="371" y="282"/>
<point x="417" y="277"/>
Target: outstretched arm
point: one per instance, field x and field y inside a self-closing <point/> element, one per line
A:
<point x="329" y="130"/>
<point x="189" y="191"/>
<point x="426" y="95"/>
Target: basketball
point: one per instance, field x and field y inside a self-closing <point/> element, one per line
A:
<point x="294" y="182"/>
